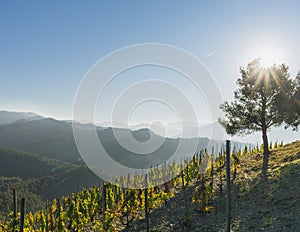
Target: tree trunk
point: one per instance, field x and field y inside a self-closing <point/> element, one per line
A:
<point x="266" y="153"/>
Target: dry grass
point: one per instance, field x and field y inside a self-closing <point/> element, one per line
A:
<point x="272" y="206"/>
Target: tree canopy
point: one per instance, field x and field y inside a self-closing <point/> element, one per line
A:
<point x="266" y="97"/>
<point x="293" y="113"/>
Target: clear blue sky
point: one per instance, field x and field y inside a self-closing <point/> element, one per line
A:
<point x="46" y="47"/>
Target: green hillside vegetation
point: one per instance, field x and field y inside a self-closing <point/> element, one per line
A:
<point x="54" y="139"/>
<point x="134" y="160"/>
<point x="272" y="205"/>
<point x="47" y="137"/>
<point x="26" y="165"/>
<point x="38" y="178"/>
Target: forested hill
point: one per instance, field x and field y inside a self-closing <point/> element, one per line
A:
<point x="26" y="165"/>
<point x="191" y="201"/>
<point x="38" y="178"/>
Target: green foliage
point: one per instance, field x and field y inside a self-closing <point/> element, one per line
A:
<point x="293" y="109"/>
<point x="264" y="98"/>
<point x="84" y="208"/>
<point x="18" y="163"/>
<point x="37" y="178"/>
<point x="259" y="99"/>
<point x="82" y="211"/>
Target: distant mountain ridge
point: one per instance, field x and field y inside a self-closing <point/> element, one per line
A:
<point x="54" y="139"/>
<point x="8" y="117"/>
<point x="46" y="136"/>
<point x="171" y="130"/>
<point x="40" y="158"/>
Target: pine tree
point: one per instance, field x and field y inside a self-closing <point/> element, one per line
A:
<point x="262" y="100"/>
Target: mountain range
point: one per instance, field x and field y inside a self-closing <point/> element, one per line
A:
<point x="212" y="130"/>
<point x="54" y="139"/>
<point x="39" y="156"/>
<point x="7" y="117"/>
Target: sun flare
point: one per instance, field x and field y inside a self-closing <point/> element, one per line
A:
<point x="268" y="58"/>
<point x="269" y="53"/>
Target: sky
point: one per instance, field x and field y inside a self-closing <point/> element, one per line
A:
<point x="47" y="48"/>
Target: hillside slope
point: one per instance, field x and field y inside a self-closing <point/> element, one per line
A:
<point x="7" y="117"/>
<point x="47" y="137"/>
<point x="275" y="204"/>
<point x="257" y="206"/>
<point x="38" y="178"/>
<point x="54" y="139"/>
<point x="26" y="165"/>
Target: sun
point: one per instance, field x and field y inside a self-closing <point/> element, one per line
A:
<point x="268" y="58"/>
<point x="270" y="53"/>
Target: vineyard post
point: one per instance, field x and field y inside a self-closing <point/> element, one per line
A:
<point x="200" y="160"/>
<point x="46" y="213"/>
<point x="15" y="208"/>
<point x="165" y="171"/>
<point x="187" y="171"/>
<point x="228" y="210"/>
<point x="158" y="178"/>
<point x="104" y="203"/>
<point x="165" y="175"/>
<point x="22" y="214"/>
<point x="221" y="164"/>
<point x="198" y="167"/>
<point x="184" y="194"/>
<point x="146" y="202"/>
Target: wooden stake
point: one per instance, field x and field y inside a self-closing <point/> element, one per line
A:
<point x="22" y="214"/>
<point x="146" y="202"/>
<point x="228" y="210"/>
<point x="184" y="195"/>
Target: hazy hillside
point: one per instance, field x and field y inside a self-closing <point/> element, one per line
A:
<point x="183" y="147"/>
<point x="48" y="137"/>
<point x="54" y="139"/>
<point x="7" y="117"/>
